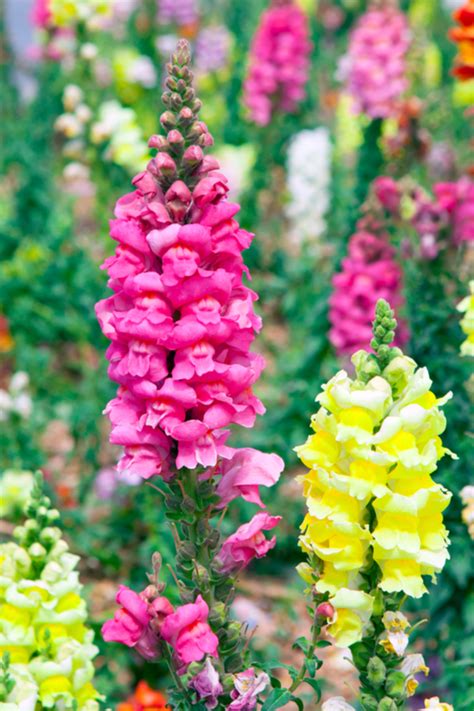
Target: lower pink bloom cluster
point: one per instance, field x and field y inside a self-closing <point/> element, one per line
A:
<point x="144" y="621"/>
<point x="181" y="323"/>
<point x="279" y="63"/>
<point x="376" y="61"/>
<point x="369" y="273"/>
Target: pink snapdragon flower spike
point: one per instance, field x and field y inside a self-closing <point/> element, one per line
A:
<point x="369" y="272"/>
<point x="131" y="624"/>
<point x="247" y="543"/>
<point x="376" y="61"/>
<point x="279" y="62"/>
<point x="180" y="319"/>
<point x="457" y="199"/>
<point x="189" y="634"/>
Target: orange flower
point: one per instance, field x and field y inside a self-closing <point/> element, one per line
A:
<point x="144" y="699"/>
<point x="464" y="37"/>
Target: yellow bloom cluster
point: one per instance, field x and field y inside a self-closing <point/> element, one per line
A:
<point x="466" y="307"/>
<point x="67" y="13"/>
<point x="42" y="618"/>
<point x="369" y="491"/>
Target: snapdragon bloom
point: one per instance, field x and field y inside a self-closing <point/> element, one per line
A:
<point x="376" y="61"/>
<point x="369" y="272"/>
<point x="187" y="631"/>
<point x="248" y="686"/>
<point x="279" y="62"/>
<point x="180" y="320"/>
<point x="131" y="624"/>
<point x="247" y="542"/>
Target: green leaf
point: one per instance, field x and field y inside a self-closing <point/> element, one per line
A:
<point x="314" y="684"/>
<point x="277" y="699"/>
<point x="275" y="682"/>
<point x="301" y="643"/>
<point x="323" y="643"/>
<point x="298" y="702"/>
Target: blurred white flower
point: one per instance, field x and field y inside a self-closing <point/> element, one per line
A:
<point x="16" y="400"/>
<point x="308" y="182"/>
<point x="336" y="703"/>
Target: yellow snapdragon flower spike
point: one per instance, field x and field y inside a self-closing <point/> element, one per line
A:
<point x="466" y="307"/>
<point x="369" y="489"/>
<point x="42" y="615"/>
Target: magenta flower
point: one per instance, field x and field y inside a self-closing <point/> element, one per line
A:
<point x="207" y="685"/>
<point x="245" y="472"/>
<point x="279" y="62"/>
<point x="130" y="625"/>
<point x="369" y="273"/>
<point x="457" y="199"/>
<point x="41" y="14"/>
<point x="247" y="542"/>
<point x="248" y="686"/>
<point x="188" y="632"/>
<point x="180" y="320"/>
<point x="376" y="61"/>
<point x="387" y="191"/>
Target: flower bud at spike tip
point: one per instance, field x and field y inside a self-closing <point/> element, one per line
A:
<point x="387" y="705"/>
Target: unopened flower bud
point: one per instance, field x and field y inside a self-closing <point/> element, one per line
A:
<point x="32" y="526"/>
<point x="193" y="156"/>
<point x="168" y="120"/>
<point x="180" y="192"/>
<point x="36" y="550"/>
<point x="205" y="140"/>
<point x="387" y="705"/>
<point x="325" y="610"/>
<point x="376" y="671"/>
<point x="368" y="703"/>
<point x="217" y="614"/>
<point x="159" y="142"/>
<point x="20" y="533"/>
<point x="185" y="115"/>
<point x="395" y="684"/>
<point x="234" y="663"/>
<point x="53" y="515"/>
<point x="50" y="535"/>
<point x="176" y="101"/>
<point x="175" y="138"/>
<point x="162" y="165"/>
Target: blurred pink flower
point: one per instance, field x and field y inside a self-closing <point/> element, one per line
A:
<point x="376" y="62"/>
<point x="458" y="200"/>
<point x="369" y="273"/>
<point x="279" y="63"/>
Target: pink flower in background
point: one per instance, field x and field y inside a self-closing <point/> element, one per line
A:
<point x="376" y="61"/>
<point x="41" y="14"/>
<point x="247" y="542"/>
<point x="130" y="625"/>
<point x="248" y="686"/>
<point x="457" y="199"/>
<point x="187" y="631"/>
<point x="279" y="62"/>
<point x="181" y="12"/>
<point x="245" y="472"/>
<point x="369" y="273"/>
